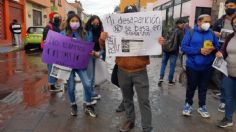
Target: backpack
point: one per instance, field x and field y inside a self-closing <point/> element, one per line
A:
<point x="42" y="41"/>
<point x="171" y="43"/>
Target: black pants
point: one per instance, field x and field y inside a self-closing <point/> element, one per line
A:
<point x="198" y="79"/>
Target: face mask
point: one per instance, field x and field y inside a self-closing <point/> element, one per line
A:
<point x="74" y="25"/>
<point x="95" y="27"/>
<point x="205" y="26"/>
<point x="56" y="20"/>
<point x="230" y="11"/>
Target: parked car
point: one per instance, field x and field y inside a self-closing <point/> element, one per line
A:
<point x="33" y="38"/>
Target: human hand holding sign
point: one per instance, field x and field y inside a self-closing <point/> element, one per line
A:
<point x="103" y="36"/>
<point x="162" y="40"/>
<point x="219" y="54"/>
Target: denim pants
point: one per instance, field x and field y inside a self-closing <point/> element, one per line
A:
<point x="91" y="73"/>
<point x="86" y="82"/>
<point x="200" y="80"/>
<point x="229" y="86"/>
<point x="51" y="80"/>
<point x="139" y="80"/>
<point x="165" y="58"/>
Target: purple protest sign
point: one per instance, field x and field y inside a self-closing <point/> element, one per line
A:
<point x="66" y="51"/>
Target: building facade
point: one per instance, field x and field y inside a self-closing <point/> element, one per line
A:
<point x="186" y="9"/>
<point x="9" y="10"/>
<point x="142" y="3"/>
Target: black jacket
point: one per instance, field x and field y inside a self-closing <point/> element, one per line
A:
<point x="219" y="24"/>
<point x="47" y="28"/>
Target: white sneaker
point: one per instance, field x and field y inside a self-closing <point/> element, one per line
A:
<point x="203" y="112"/>
<point x="221" y="107"/>
<point x="91" y="103"/>
<point x="187" y="110"/>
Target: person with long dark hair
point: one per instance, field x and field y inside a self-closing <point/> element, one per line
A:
<point x="75" y="30"/>
<point x="94" y="27"/>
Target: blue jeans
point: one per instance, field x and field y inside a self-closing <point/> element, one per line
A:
<point x="165" y="58"/>
<point x="229" y="86"/>
<point x="91" y="73"/>
<point x="86" y="82"/>
<point x="51" y="80"/>
<point x="200" y="80"/>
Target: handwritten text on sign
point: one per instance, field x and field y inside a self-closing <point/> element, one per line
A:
<point x="133" y="34"/>
<point x="65" y="51"/>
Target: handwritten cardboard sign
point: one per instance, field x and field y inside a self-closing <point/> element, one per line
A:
<point x="133" y="34"/>
<point x="66" y="51"/>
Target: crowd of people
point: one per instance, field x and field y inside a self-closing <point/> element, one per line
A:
<point x="200" y="44"/>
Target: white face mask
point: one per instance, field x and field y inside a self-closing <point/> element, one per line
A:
<point x="74" y="25"/>
<point x="205" y="26"/>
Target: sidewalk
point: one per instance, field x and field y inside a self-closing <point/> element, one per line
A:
<point x="6" y="48"/>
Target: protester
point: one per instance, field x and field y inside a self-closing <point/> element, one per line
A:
<point x="199" y="44"/>
<point x="223" y="23"/>
<point x="228" y="51"/>
<point x="172" y="51"/>
<point x="75" y="30"/>
<point x="132" y="73"/>
<point x="16" y="32"/>
<point x="94" y="27"/>
<point x="54" y="25"/>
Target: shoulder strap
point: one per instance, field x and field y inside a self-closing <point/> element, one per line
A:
<point x="191" y="31"/>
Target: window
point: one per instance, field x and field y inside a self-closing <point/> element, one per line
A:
<point x="202" y="10"/>
<point x="177" y="2"/>
<point x="37" y="18"/>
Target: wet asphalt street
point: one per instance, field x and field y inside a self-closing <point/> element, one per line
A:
<point x="26" y="105"/>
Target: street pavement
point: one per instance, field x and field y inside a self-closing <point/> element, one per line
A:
<point x="26" y="105"/>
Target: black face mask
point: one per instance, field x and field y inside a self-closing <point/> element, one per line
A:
<point x="57" y="21"/>
<point x="230" y="11"/>
<point x="95" y="27"/>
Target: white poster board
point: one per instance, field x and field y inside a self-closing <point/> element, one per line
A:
<point x="224" y="33"/>
<point x="133" y="34"/>
<point x="221" y="65"/>
<point x="60" y="72"/>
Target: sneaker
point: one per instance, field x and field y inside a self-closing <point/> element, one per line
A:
<point x="74" y="110"/>
<point x="225" y="123"/>
<point x="187" y="110"/>
<point x="160" y="82"/>
<point x="91" y="103"/>
<point x="53" y="88"/>
<point x="221" y="107"/>
<point x="203" y="112"/>
<point x="96" y="97"/>
<point x="171" y="83"/>
<point x="89" y="110"/>
<point x="127" y="126"/>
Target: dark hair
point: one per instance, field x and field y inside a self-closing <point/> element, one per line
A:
<point x="230" y="1"/>
<point x="88" y="25"/>
<point x="14" y="20"/>
<point x="69" y="30"/>
<point x="201" y="17"/>
<point x="70" y="13"/>
<point x="232" y="21"/>
<point x="130" y="8"/>
<point x="179" y="21"/>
